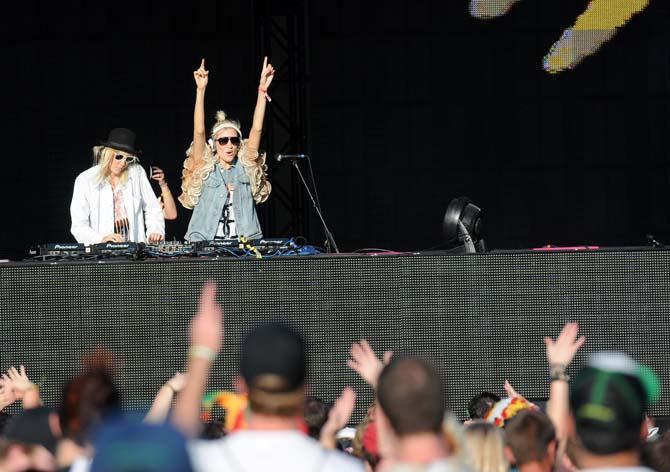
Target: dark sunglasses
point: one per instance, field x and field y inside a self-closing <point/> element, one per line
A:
<point x="223" y="141"/>
<point x="129" y="159"/>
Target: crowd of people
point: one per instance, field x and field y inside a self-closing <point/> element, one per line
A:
<point x="598" y="420"/>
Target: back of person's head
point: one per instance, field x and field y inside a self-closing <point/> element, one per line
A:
<point x="484" y="448"/>
<point x="531" y="437"/>
<point x="608" y="400"/>
<point x="315" y="413"/>
<point x="29" y="440"/>
<point x="274" y="366"/>
<point x="656" y="454"/>
<point x="35" y="427"/>
<point x="4" y="418"/>
<point x="481" y="404"/>
<point x="130" y="447"/>
<point x="412" y="396"/>
<point x="88" y="399"/>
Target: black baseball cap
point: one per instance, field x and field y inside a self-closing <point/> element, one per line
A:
<point x="274" y="349"/>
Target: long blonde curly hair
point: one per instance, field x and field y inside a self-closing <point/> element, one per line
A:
<point x="192" y="177"/>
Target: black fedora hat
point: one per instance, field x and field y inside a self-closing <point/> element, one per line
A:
<point x="122" y="139"/>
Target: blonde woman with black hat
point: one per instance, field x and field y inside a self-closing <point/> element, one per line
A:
<point x="113" y="201"/>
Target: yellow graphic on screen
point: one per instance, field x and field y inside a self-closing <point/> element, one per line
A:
<point x="593" y="28"/>
<point x="487" y="9"/>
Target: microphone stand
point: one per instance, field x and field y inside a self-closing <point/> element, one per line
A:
<point x="329" y="236"/>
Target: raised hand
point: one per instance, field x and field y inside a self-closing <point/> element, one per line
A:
<point x="365" y="362"/>
<point x="160" y="408"/>
<point x="7" y="395"/>
<point x="338" y="417"/>
<point x="207" y="326"/>
<point x="510" y="391"/>
<point x="177" y="382"/>
<point x="559" y="355"/>
<point x="201" y="76"/>
<point x="158" y="175"/>
<point x="563" y="350"/>
<point x="20" y="382"/>
<point x="206" y="332"/>
<point x="267" y="74"/>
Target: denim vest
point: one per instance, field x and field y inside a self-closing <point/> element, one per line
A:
<point x="207" y="213"/>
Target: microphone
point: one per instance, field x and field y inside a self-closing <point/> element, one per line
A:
<point x="290" y="157"/>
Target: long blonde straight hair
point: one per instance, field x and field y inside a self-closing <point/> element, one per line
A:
<point x="484" y="448"/>
<point x="103" y="157"/>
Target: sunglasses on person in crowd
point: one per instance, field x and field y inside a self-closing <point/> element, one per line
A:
<point x="223" y="141"/>
<point x="129" y="159"/>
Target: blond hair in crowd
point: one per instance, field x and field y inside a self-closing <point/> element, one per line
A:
<point x="484" y="444"/>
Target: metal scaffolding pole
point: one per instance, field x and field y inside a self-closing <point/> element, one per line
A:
<point x="280" y="34"/>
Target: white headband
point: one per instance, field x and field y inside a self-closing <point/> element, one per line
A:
<point x="226" y="124"/>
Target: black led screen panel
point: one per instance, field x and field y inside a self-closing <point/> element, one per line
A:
<point x="482" y="318"/>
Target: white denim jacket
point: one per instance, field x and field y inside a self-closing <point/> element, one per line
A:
<point x="92" y="207"/>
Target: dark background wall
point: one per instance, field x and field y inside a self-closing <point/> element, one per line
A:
<point x="412" y="103"/>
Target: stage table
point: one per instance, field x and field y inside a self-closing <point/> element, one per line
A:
<point x="481" y="317"/>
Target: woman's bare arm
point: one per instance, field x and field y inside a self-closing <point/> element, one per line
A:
<point x="267" y="74"/>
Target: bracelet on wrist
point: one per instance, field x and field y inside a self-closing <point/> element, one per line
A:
<point x="203" y="352"/>
<point x="264" y="91"/>
<point x="557" y="373"/>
